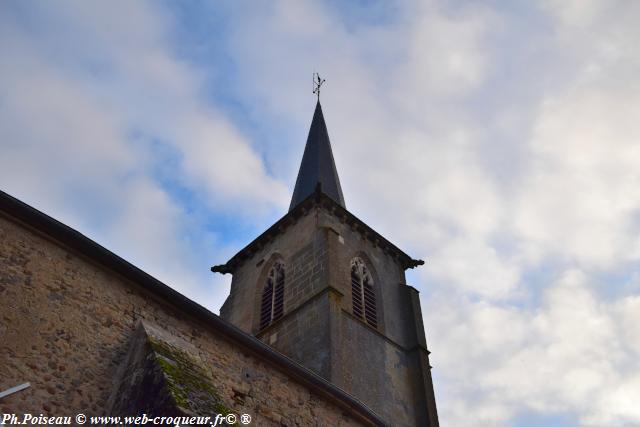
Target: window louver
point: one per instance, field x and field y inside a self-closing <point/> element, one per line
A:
<point x="362" y="293"/>
<point x="272" y="304"/>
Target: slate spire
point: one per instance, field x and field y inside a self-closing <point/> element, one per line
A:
<point x="317" y="165"/>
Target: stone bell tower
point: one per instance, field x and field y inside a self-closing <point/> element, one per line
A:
<point x="328" y="291"/>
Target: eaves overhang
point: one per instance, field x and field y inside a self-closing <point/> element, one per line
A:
<point x="317" y="199"/>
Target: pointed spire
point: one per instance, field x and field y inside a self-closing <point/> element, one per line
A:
<point x="318" y="166"/>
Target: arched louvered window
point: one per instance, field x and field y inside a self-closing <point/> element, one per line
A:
<point x="272" y="305"/>
<point x="362" y="293"/>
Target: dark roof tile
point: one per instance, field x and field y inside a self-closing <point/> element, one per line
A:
<point x="318" y="166"/>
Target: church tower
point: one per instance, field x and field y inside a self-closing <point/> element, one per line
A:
<point x="328" y="291"/>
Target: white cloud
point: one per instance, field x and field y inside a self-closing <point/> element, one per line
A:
<point x="575" y="13"/>
<point x="563" y="357"/>
<point x="447" y="54"/>
<point x="577" y="204"/>
<point x="86" y="93"/>
<point x="474" y="268"/>
<point x="580" y="199"/>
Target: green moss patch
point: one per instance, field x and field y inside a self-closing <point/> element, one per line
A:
<point x="186" y="380"/>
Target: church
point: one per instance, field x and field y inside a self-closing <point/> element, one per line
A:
<point x="320" y="327"/>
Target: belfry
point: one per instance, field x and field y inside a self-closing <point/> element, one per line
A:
<point x="329" y="292"/>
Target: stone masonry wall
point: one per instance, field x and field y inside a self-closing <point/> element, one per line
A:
<point x="391" y="388"/>
<point x="304" y="335"/>
<point x="345" y="243"/>
<point x="303" y="331"/>
<point x="66" y="323"/>
<point x="379" y="366"/>
<point x="302" y="250"/>
<point x="395" y="387"/>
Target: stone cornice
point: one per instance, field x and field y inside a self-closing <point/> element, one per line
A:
<point x="317" y="199"/>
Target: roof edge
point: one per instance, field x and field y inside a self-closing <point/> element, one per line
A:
<point x="53" y="229"/>
<point x="318" y="197"/>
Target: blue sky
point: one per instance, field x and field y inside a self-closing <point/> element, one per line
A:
<point x="497" y="140"/>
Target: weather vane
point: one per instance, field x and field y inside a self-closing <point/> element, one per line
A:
<point x="317" y="82"/>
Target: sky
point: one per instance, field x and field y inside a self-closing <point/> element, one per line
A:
<point x="497" y="140"/>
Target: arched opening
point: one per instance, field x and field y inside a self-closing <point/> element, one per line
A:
<point x="272" y="304"/>
<point x="362" y="293"/>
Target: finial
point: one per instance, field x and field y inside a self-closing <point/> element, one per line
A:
<point x="317" y="82"/>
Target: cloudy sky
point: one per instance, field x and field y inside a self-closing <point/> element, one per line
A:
<point x="498" y="140"/>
